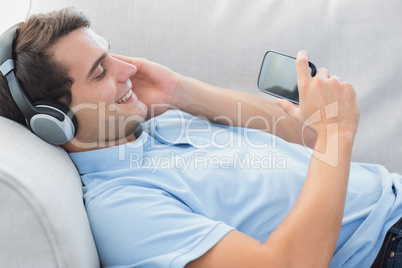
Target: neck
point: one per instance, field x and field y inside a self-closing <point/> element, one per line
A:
<point x="75" y="145"/>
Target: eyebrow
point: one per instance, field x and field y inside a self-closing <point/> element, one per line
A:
<point x="95" y="65"/>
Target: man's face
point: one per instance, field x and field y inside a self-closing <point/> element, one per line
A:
<point x="102" y="99"/>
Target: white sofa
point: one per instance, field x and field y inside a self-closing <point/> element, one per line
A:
<point x="43" y="221"/>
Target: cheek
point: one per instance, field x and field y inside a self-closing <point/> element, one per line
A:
<point x="100" y="92"/>
<point x="95" y="120"/>
<point x="105" y="93"/>
<point x="88" y="117"/>
<point x="109" y="94"/>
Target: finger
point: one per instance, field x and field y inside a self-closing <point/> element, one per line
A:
<point x="302" y="68"/>
<point x="137" y="62"/>
<point x="131" y="60"/>
<point x="290" y="108"/>
<point x="120" y="57"/>
<point x="337" y="78"/>
<point x="323" y="73"/>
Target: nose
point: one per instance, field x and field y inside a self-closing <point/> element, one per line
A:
<point x="125" y="70"/>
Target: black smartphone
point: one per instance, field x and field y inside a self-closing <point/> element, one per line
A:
<point x="278" y="76"/>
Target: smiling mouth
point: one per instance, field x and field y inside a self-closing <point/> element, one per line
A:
<point x="126" y="97"/>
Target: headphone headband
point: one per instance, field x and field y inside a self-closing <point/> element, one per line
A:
<point x="50" y="122"/>
<point x="6" y="44"/>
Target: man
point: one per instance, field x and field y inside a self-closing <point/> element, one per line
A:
<point x="234" y="190"/>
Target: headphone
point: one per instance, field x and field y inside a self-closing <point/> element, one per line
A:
<point x="49" y="120"/>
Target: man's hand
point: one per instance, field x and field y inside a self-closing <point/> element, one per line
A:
<point x="323" y="100"/>
<point x="155" y="85"/>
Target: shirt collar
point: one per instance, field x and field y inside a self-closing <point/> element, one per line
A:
<point x="111" y="158"/>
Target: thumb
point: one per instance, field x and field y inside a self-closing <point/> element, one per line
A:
<point x="290" y="108"/>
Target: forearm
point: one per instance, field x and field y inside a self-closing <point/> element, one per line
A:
<point x="307" y="236"/>
<point x="314" y="222"/>
<point x="235" y="108"/>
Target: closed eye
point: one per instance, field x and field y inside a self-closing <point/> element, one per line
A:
<point x="99" y="77"/>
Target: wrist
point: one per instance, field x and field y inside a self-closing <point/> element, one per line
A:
<point x="346" y="138"/>
<point x="333" y="147"/>
<point x="184" y="95"/>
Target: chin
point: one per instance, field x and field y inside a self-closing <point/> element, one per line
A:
<point x="129" y="125"/>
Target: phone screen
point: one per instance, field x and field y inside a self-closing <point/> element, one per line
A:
<point x="278" y="76"/>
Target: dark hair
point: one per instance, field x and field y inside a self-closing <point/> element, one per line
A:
<point x="41" y="76"/>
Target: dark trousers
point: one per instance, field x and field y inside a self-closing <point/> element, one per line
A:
<point x="390" y="254"/>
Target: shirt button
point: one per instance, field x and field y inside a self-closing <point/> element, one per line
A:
<point x="392" y="254"/>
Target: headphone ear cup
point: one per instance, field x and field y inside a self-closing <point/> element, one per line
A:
<point x="50" y="120"/>
<point x="55" y="122"/>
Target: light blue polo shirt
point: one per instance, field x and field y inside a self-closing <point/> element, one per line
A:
<point x="171" y="195"/>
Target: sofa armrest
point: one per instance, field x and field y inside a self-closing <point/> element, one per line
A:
<point x="43" y="220"/>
